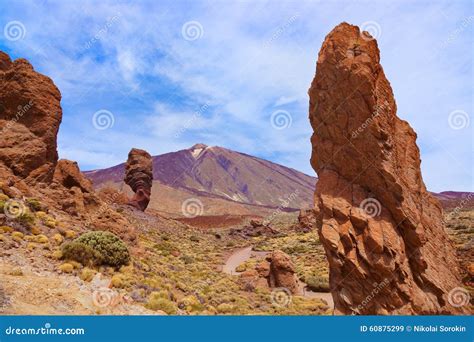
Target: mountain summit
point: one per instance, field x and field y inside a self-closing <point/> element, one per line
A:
<point x="233" y="182"/>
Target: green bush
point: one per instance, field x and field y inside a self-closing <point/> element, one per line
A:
<point x="318" y="283"/>
<point x="82" y="253"/>
<point x="26" y="218"/>
<point x="157" y="301"/>
<point x="34" y="204"/>
<point x="97" y="248"/>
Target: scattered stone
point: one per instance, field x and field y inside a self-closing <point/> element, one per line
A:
<point x="256" y="228"/>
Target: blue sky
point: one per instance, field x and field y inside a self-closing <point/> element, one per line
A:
<point x="164" y="75"/>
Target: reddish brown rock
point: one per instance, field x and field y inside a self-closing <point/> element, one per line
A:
<point x="306" y="220"/>
<point x="30" y="114"/>
<point x="254" y="229"/>
<point x="67" y="174"/>
<point x="139" y="176"/>
<point x="282" y="272"/>
<point x="382" y="231"/>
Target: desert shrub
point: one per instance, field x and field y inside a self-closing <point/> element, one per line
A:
<point x="70" y="234"/>
<point x="16" y="272"/>
<point x="34" y="204"/>
<point x="98" y="248"/>
<point x="191" y="304"/>
<point x="42" y="238"/>
<point x="156" y="301"/>
<point x="225" y="308"/>
<point x="187" y="259"/>
<point x="318" y="283"/>
<point x="119" y="281"/>
<point x="87" y="274"/>
<point x="26" y="218"/>
<point x="66" y="268"/>
<point x="165" y="248"/>
<point x="17" y="236"/>
<point x="6" y="229"/>
<point x="3" y="199"/>
<point x="82" y="253"/>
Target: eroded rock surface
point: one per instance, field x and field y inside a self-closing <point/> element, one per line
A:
<point x="139" y="176"/>
<point x="30" y="114"/>
<point x="282" y="272"/>
<point x="382" y="231"/>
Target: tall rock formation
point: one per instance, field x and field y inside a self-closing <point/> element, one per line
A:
<point x="139" y="176"/>
<point x="382" y="231"/>
<point x="30" y="114"/>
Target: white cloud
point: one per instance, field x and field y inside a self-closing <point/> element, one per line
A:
<point x="253" y="58"/>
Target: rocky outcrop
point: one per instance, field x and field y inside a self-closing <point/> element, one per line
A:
<point x="139" y="176"/>
<point x="282" y="272"/>
<point x="253" y="229"/>
<point x="67" y="173"/>
<point x="30" y="114"/>
<point x="382" y="231"/>
<point x="305" y="221"/>
<point x="277" y="270"/>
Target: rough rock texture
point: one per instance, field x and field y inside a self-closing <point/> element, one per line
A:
<point x="382" y="231"/>
<point x="282" y="272"/>
<point x="277" y="270"/>
<point x="139" y="176"/>
<point x="305" y="220"/>
<point x="254" y="229"/>
<point x="67" y="173"/>
<point x="30" y="114"/>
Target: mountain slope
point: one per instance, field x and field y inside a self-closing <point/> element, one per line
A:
<point x="219" y="174"/>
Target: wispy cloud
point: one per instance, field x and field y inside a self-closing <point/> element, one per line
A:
<point x="169" y="87"/>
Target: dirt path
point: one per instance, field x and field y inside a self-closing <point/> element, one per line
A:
<point x="243" y="254"/>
